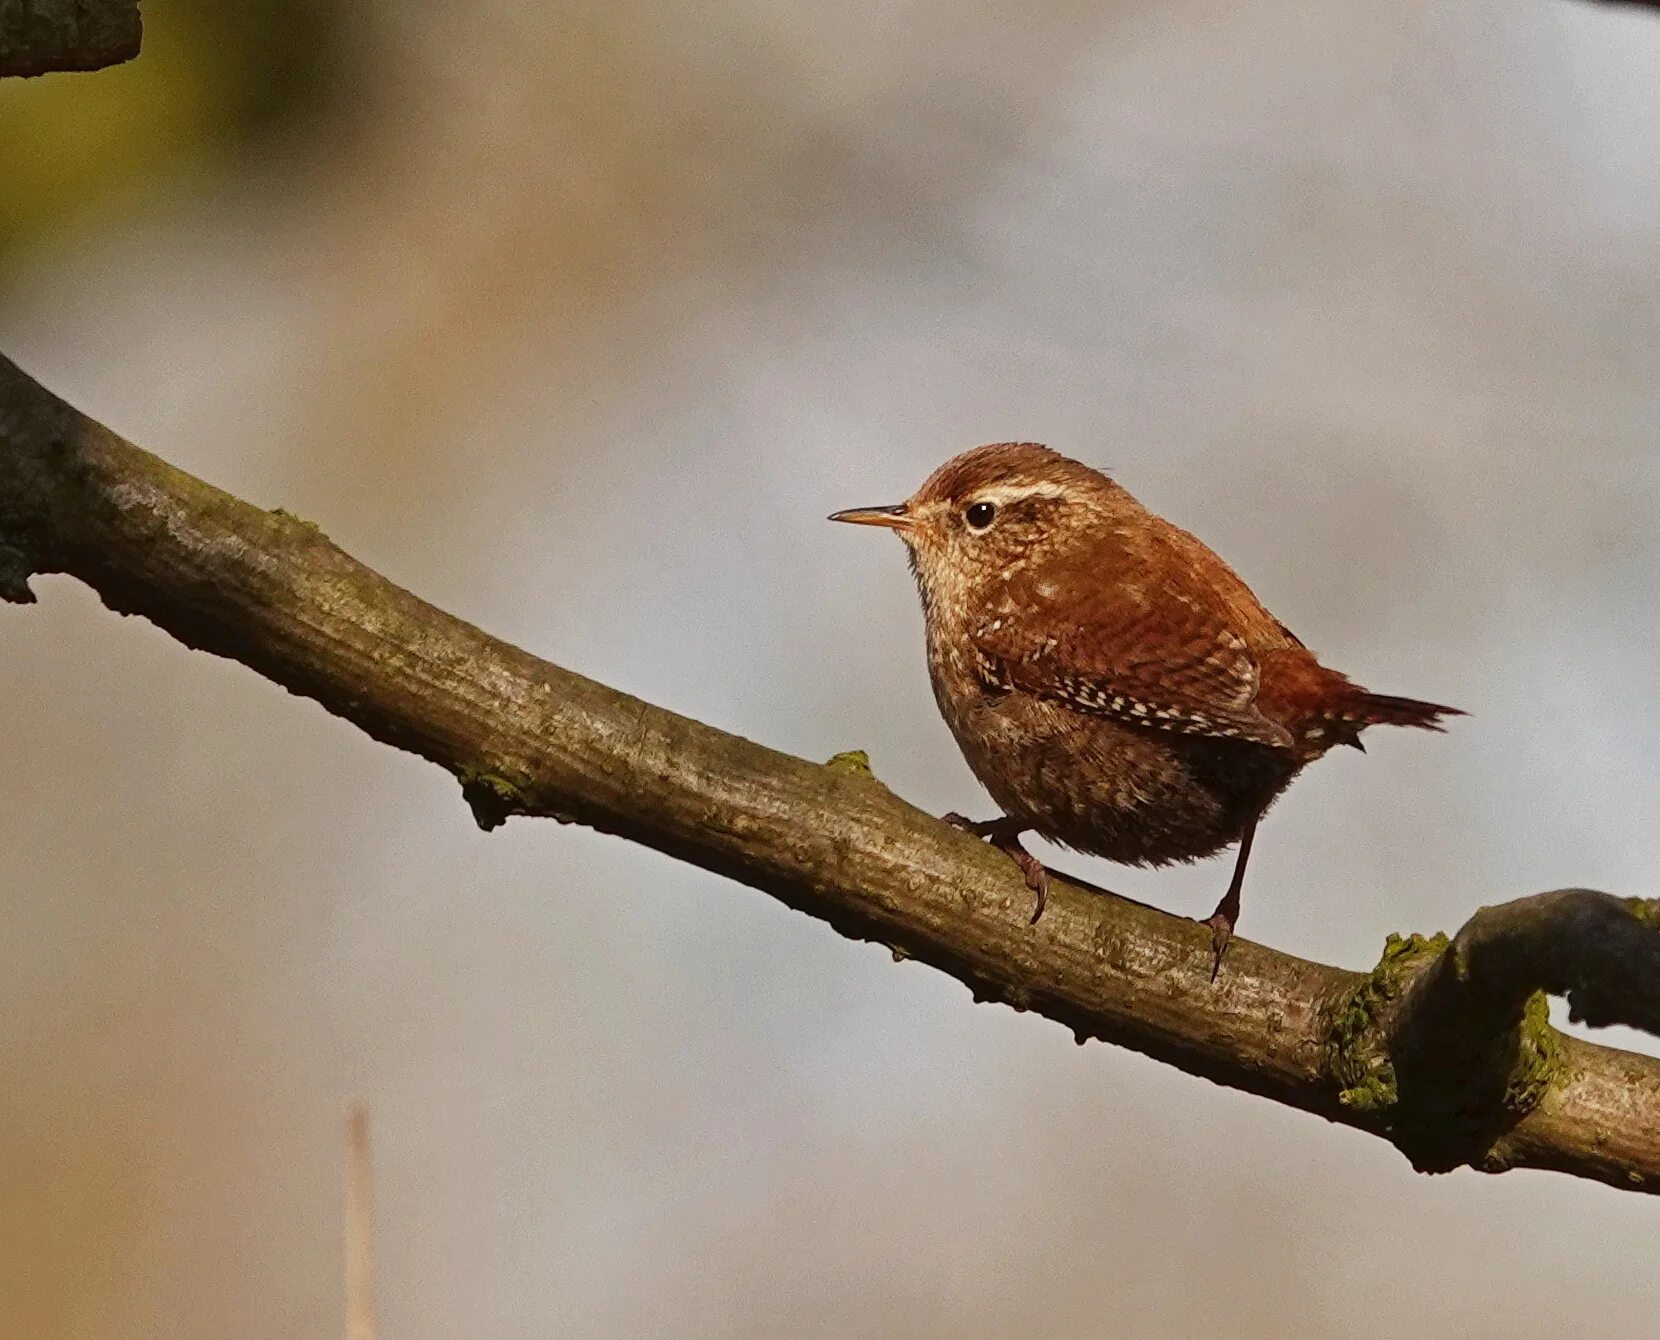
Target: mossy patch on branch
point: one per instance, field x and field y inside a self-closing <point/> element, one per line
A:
<point x="1538" y="1057"/>
<point x="1356" y="1043"/>
<point x="856" y="761"/>
<point x="491" y="797"/>
<point x="1444" y="1114"/>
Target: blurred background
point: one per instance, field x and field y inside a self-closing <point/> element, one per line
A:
<point x="577" y="319"/>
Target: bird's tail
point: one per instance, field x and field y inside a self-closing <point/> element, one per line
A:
<point x="1323" y="707"/>
<point x="1358" y="709"/>
<point x="1383" y="709"/>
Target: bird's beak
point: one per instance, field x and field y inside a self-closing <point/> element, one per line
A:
<point x="894" y="518"/>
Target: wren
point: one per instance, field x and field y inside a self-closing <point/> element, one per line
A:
<point x="1113" y="684"/>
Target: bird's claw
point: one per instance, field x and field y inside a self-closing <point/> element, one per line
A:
<point x="1221" y="934"/>
<point x="1037" y="879"/>
<point x="1004" y="834"/>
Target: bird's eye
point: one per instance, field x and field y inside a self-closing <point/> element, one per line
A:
<point x="979" y="515"/>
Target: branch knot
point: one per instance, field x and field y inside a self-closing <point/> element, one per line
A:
<point x="1357" y="1038"/>
<point x="1444" y="1070"/>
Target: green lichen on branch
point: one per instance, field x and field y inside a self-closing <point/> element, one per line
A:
<point x="1646" y="910"/>
<point x="1537" y="1064"/>
<point x="1538" y="1057"/>
<point x="492" y="798"/>
<point x="1357" y="1044"/>
<point x="856" y="761"/>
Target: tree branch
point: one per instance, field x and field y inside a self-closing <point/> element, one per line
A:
<point x="42" y="36"/>
<point x="525" y="737"/>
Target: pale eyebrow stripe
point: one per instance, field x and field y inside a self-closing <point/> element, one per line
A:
<point x="1002" y="494"/>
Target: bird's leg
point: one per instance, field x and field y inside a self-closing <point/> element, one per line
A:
<point x="1004" y="834"/>
<point x="1221" y="921"/>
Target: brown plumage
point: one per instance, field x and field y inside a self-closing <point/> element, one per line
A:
<point x="1113" y="683"/>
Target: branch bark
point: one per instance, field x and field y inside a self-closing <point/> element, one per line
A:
<point x="1440" y="1049"/>
<point x="43" y="36"/>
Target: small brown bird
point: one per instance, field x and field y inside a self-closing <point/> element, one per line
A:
<point x="1111" y="681"/>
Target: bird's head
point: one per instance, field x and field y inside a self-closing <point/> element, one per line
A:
<point x="987" y="513"/>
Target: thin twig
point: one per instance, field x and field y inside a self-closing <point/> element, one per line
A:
<point x="360" y="1227"/>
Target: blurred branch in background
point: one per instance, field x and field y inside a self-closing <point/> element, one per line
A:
<point x="1443" y="1049"/>
<point x="217" y="83"/>
<point x="42" y="36"/>
<point x="360" y="1227"/>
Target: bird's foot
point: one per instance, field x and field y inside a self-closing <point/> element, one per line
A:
<point x="1035" y="872"/>
<point x="1004" y="834"/>
<point x="1221" y="935"/>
